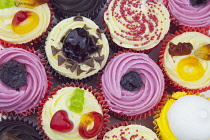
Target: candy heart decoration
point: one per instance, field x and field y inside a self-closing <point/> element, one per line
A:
<point x="60" y="122"/>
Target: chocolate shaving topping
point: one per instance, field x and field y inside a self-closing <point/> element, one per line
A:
<point x="73" y="67"/>
<point x="85" y="27"/>
<point x="78" y="18"/>
<point x="61" y="60"/>
<point x="90" y="62"/>
<point x="99" y="49"/>
<point x="99" y="31"/>
<point x="54" y="50"/>
<point x="94" y="39"/>
<point x="91" y="69"/>
<point x="70" y="61"/>
<point x="68" y="66"/>
<point x="180" y="49"/>
<point x="99" y="59"/>
<point x="79" y="70"/>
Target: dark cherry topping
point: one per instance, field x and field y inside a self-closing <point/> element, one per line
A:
<point x="198" y="2"/>
<point x="180" y="49"/>
<point x="13" y="74"/>
<point x="78" y="44"/>
<point x="131" y="81"/>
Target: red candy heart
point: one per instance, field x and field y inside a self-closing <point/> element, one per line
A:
<point x="60" y="122"/>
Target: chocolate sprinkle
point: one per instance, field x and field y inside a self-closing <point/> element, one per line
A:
<point x="99" y="59"/>
<point x="79" y="70"/>
<point x="78" y="18"/>
<point x="54" y="50"/>
<point x="61" y="60"/>
<point x="99" y="31"/>
<point x="90" y="62"/>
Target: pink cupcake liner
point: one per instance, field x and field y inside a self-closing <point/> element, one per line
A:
<point x="33" y="43"/>
<point x="49" y="78"/>
<point x="98" y="96"/>
<point x="122" y="116"/>
<point x="171" y="85"/>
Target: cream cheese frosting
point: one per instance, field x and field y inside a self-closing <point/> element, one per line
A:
<point x="130" y="132"/>
<point x="6" y="17"/>
<point x="170" y="62"/>
<point x="30" y="95"/>
<point x="57" y="34"/>
<point x="186" y="14"/>
<point x="135" y="24"/>
<point x="132" y="102"/>
<point x="61" y="101"/>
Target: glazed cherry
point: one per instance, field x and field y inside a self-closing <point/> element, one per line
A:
<point x="86" y="120"/>
<point x="78" y="44"/>
<point x="60" y="122"/>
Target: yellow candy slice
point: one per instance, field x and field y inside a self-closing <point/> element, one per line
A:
<point x="190" y="69"/>
<point x="24" y="22"/>
<point x="203" y="52"/>
<point x="29" y="3"/>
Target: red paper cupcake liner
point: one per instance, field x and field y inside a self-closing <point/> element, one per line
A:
<point x="49" y="78"/>
<point x="171" y="85"/>
<point x="98" y="96"/>
<point x="116" y="47"/>
<point x="35" y="42"/>
<point x="122" y="116"/>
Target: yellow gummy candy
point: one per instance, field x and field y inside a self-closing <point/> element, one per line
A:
<point x="190" y="69"/>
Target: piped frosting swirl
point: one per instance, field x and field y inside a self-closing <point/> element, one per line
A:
<point x="132" y="102"/>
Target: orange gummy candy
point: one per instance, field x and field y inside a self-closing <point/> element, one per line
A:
<point x="24" y="22"/>
<point x="86" y="120"/>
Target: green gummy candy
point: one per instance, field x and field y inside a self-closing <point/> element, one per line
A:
<point x="6" y="3"/>
<point x="77" y="101"/>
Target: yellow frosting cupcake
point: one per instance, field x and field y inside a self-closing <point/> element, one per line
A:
<point x="183" y="117"/>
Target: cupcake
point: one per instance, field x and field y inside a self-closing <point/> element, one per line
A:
<point x="183" y="117"/>
<point x="23" y="81"/>
<point x="137" y="25"/>
<point x="192" y="13"/>
<point x="129" y="132"/>
<point x="132" y="85"/>
<point x="19" y="129"/>
<point x="23" y="21"/>
<point x="184" y="60"/>
<point x="68" y="8"/>
<point x="76" y="48"/>
<point x="74" y="112"/>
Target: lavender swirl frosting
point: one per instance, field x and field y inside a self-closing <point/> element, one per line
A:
<point x="136" y="102"/>
<point x="28" y="96"/>
<point x="188" y="15"/>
